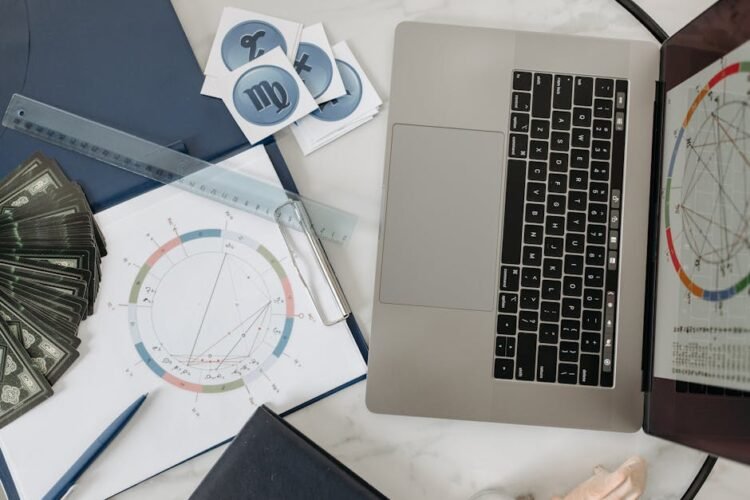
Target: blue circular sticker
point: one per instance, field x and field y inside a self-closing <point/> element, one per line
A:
<point x="249" y="40"/>
<point x="265" y="95"/>
<point x="341" y="107"/>
<point x="314" y="68"/>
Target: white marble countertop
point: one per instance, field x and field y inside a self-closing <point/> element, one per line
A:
<point x="418" y="458"/>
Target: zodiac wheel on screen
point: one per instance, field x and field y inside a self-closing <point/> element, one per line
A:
<point x="211" y="310"/>
<point x="707" y="195"/>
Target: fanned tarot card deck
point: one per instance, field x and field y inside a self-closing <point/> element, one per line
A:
<point x="50" y="254"/>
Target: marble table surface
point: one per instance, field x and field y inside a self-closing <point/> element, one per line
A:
<point x="417" y="458"/>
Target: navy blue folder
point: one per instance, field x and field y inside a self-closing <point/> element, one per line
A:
<point x="126" y="64"/>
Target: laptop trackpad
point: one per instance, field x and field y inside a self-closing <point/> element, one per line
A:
<point x="442" y="218"/>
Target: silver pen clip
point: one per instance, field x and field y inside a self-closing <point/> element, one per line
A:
<point x="302" y="221"/>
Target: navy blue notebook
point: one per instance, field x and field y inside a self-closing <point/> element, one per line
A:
<point x="127" y="65"/>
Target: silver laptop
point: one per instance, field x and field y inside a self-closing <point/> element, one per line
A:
<point x="512" y="251"/>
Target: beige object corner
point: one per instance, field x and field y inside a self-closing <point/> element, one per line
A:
<point x="625" y="483"/>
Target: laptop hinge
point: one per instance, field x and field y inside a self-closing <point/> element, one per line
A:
<point x="657" y="146"/>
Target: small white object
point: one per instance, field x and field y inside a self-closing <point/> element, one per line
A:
<point x="265" y="95"/>
<point x="243" y="36"/>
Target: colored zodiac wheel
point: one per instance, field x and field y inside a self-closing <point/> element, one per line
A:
<point x="178" y="311"/>
<point x="707" y="203"/>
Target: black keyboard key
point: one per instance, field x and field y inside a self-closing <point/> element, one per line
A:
<point x="555" y="225"/>
<point x="513" y="223"/>
<point x="589" y="369"/>
<point x="570" y="329"/>
<point x="533" y="234"/>
<point x="590" y="342"/>
<point x="605" y="87"/>
<point x="519" y="146"/>
<point x="577" y="200"/>
<point x="532" y="256"/>
<point x="547" y="369"/>
<point x="552" y="268"/>
<point x="574" y="243"/>
<point x="602" y="129"/>
<point x="572" y="286"/>
<point x="558" y="162"/>
<point x="557" y="183"/>
<point x="548" y="333"/>
<point x="579" y="179"/>
<point x="582" y="117"/>
<point x="550" y="312"/>
<point x="595" y="255"/>
<point x="592" y="298"/>
<point x="556" y="204"/>
<point x="551" y="289"/>
<point x="599" y="171"/>
<point x="508" y="303"/>
<point x="591" y="320"/>
<point x="510" y="347"/>
<point x="509" y="278"/>
<point x="567" y="373"/>
<point x="561" y="120"/>
<point x="506" y="324"/>
<point x="553" y="246"/>
<point x="500" y="345"/>
<point x="521" y="101"/>
<point x="599" y="191"/>
<point x="537" y="171"/>
<point x="542" y="95"/>
<point x="584" y="89"/>
<point x="528" y="321"/>
<point x="579" y="158"/>
<point x="521" y="80"/>
<point x="581" y="138"/>
<point x="562" y="96"/>
<point x="529" y="299"/>
<point x="531" y="277"/>
<point x="594" y="276"/>
<point x="540" y="129"/>
<point x="571" y="308"/>
<point x="596" y="234"/>
<point x="534" y="213"/>
<point x="526" y="356"/>
<point x="519" y="122"/>
<point x="504" y="368"/>
<point x="603" y="108"/>
<point x="600" y="150"/>
<point x="536" y="192"/>
<point x="597" y="212"/>
<point x="569" y="352"/>
<point x="538" y="150"/>
<point x="560" y="141"/>
<point x="574" y="265"/>
<point x="576" y="221"/>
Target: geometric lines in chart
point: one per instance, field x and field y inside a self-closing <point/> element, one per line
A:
<point x="707" y="192"/>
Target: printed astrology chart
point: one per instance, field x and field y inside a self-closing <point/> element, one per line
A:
<point x="706" y="223"/>
<point x="201" y="307"/>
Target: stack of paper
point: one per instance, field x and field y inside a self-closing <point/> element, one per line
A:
<point x="321" y="91"/>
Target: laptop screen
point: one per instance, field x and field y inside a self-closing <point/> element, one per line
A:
<point x="700" y="391"/>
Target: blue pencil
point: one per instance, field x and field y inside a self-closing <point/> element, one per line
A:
<point x="68" y="480"/>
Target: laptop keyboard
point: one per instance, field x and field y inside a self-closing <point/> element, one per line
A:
<point x="559" y="265"/>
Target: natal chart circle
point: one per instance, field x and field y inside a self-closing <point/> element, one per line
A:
<point x="707" y="198"/>
<point x="210" y="311"/>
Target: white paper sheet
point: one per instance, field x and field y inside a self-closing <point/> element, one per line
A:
<point x="703" y="323"/>
<point x="259" y="333"/>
